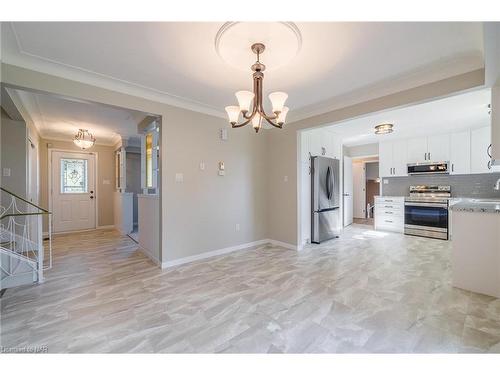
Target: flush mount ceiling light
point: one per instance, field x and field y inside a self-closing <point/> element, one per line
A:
<point x="383" y="129"/>
<point x="250" y="103"/>
<point x="84" y="139"/>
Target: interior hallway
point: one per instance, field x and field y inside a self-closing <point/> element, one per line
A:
<point x="354" y="294"/>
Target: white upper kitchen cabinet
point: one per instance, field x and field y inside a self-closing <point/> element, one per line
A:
<point x="438" y="148"/>
<point x="385" y="159"/>
<point x="417" y="150"/>
<point x="400" y="157"/>
<point x="460" y="153"/>
<point x="392" y="158"/>
<point x="480" y="140"/>
<point x="315" y="142"/>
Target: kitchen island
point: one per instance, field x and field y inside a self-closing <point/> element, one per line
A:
<point x="475" y="258"/>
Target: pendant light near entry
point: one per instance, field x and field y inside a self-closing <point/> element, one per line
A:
<point x="84" y="139"/>
<point x="383" y="129"/>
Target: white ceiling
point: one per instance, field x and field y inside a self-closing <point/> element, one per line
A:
<point x="454" y="113"/>
<point x="58" y="118"/>
<point x="177" y="63"/>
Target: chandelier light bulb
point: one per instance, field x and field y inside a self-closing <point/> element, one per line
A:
<point x="282" y="115"/>
<point x="257" y="122"/>
<point x="278" y="100"/>
<point x="245" y="100"/>
<point x="233" y="112"/>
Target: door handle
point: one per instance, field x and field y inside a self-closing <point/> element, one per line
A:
<point x="91" y="197"/>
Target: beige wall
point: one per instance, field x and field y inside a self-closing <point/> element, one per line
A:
<point x="105" y="171"/>
<point x="200" y="214"/>
<point x="13" y="154"/>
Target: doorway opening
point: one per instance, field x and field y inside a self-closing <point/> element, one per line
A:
<point x="361" y="186"/>
<point x="85" y="188"/>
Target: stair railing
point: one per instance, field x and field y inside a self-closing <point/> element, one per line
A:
<point x="21" y="236"/>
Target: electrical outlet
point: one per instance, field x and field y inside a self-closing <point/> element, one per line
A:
<point x="179" y="177"/>
<point x="237" y="227"/>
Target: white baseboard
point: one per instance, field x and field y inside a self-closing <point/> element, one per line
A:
<point x="213" y="253"/>
<point x="145" y="252"/>
<point x="283" y="244"/>
<point x="106" y="226"/>
<point x="227" y="250"/>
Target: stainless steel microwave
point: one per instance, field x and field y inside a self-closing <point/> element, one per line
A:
<point x="429" y="168"/>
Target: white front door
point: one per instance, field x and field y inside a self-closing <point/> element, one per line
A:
<point x="348" y="190"/>
<point x="73" y="191"/>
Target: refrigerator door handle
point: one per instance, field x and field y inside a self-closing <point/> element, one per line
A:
<point x="328" y="177"/>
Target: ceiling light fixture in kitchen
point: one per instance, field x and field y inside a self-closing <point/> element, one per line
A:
<point x="383" y="129"/>
<point x="250" y="103"/>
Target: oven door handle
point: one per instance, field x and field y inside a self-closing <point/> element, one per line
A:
<point x="423" y="204"/>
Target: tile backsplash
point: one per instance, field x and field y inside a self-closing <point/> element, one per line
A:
<point x="462" y="186"/>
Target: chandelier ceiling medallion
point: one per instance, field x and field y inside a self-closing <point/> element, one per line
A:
<point x="84" y="139"/>
<point x="250" y="103"/>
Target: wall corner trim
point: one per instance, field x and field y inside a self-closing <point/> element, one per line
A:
<point x="226" y="250"/>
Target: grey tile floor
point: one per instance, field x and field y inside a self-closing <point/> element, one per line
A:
<point x="365" y="292"/>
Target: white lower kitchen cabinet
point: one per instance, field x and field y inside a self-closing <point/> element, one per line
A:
<point x="475" y="255"/>
<point x="389" y="214"/>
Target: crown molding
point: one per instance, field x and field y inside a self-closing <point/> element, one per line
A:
<point x="45" y="65"/>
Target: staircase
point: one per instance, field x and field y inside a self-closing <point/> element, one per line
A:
<point x="23" y="256"/>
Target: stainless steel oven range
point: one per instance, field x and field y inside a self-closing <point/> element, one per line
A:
<point x="426" y="211"/>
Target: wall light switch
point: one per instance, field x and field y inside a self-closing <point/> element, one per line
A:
<point x="221" y="166"/>
<point x="223" y="134"/>
<point x="285" y="178"/>
<point x="202" y="166"/>
<point x="6" y="172"/>
<point x="106" y="182"/>
<point x="386" y="181"/>
<point x="237" y="227"/>
<point x="222" y="173"/>
<point x="179" y="177"/>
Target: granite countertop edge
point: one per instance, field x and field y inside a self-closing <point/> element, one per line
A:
<point x="470" y="205"/>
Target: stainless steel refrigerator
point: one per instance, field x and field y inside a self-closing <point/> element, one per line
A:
<point x="325" y="198"/>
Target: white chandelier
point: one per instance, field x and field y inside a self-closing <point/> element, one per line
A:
<point x="254" y="111"/>
<point x="84" y="139"/>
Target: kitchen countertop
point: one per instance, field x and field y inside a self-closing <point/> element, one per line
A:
<point x="475" y="205"/>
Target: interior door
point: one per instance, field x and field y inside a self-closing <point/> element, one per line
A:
<point x="359" y="190"/>
<point x="73" y="191"/>
<point x="348" y="191"/>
